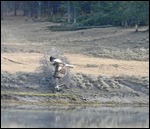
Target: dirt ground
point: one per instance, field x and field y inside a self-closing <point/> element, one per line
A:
<point x="117" y="59"/>
<point x="29" y="62"/>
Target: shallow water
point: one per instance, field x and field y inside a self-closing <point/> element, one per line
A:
<point x="106" y="117"/>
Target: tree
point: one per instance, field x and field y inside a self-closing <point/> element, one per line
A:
<point x="39" y="10"/>
<point x="27" y="9"/>
<point x="69" y="12"/>
<point x="117" y="13"/>
<point x="15" y="4"/>
<point x="2" y="9"/>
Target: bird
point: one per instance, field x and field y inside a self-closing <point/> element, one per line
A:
<point x="60" y="69"/>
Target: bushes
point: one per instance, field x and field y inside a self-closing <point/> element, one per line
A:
<point x="56" y="18"/>
<point x="98" y="20"/>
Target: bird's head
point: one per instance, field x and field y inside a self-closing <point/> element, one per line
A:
<point x="52" y="58"/>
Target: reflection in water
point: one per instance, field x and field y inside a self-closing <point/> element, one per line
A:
<point x="82" y="117"/>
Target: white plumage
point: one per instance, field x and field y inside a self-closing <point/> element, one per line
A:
<point x="61" y="62"/>
<point x="68" y="65"/>
<point x="57" y="61"/>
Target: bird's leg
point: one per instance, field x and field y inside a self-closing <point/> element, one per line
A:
<point x="57" y="86"/>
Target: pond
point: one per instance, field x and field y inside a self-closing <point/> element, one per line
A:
<point x="75" y="117"/>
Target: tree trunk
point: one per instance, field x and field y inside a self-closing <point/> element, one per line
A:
<point x="15" y="8"/>
<point x="69" y="15"/>
<point x="39" y="11"/>
<point x="3" y="9"/>
<point x="26" y="10"/>
<point x="49" y="12"/>
<point x="74" y="18"/>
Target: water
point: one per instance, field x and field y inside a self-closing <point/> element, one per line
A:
<point x="106" y="117"/>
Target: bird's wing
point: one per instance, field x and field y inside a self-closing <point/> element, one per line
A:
<point x="68" y="65"/>
<point x="57" y="61"/>
<point x="61" y="62"/>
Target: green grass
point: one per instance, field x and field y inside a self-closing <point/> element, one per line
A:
<point x="37" y="94"/>
<point x="60" y="100"/>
